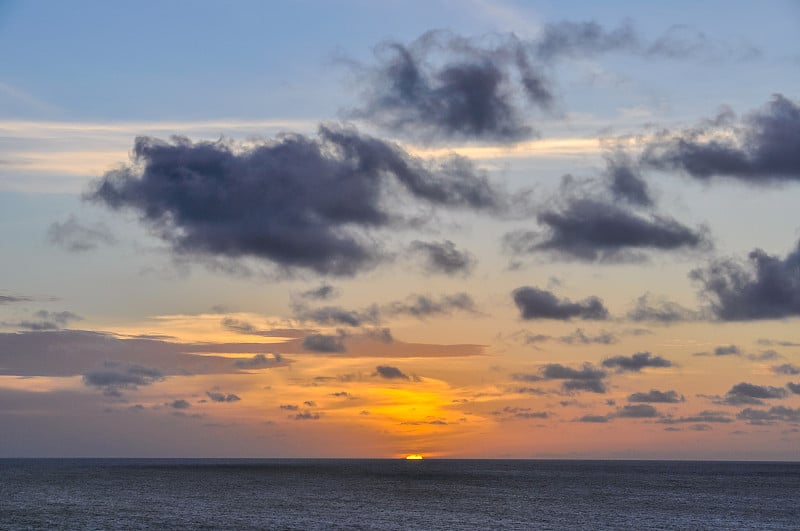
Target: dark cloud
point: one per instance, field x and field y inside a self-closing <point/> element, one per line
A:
<point x="773" y="414"/>
<point x="582" y="39"/>
<point x="729" y="350"/>
<point x="180" y="404"/>
<point x="510" y="412"/>
<point x="444" y="257"/>
<point x="390" y="373"/>
<point x="762" y="147"/>
<point x="115" y="377"/>
<point x="703" y="416"/>
<point x="222" y="397"/>
<point x="306" y="415"/>
<point x="335" y="315"/>
<point x="588" y="229"/>
<point x="578" y="337"/>
<point x="773" y="342"/>
<point x="45" y="320"/>
<point x="637" y="411"/>
<point x="535" y="303"/>
<point x="636" y="362"/>
<point x="587" y="378"/>
<point x="655" y="396"/>
<point x="77" y="237"/>
<point x="745" y="393"/>
<point x="593" y="419"/>
<point x="625" y="182"/>
<point x="322" y="293"/>
<point x="259" y="361"/>
<point x="10" y="299"/>
<point x="794" y="387"/>
<point x="423" y="306"/>
<point x="289" y="407"/>
<point x="787" y="369"/>
<point x="247" y="328"/>
<point x="446" y="86"/>
<point x="323" y="343"/>
<point x="296" y="202"/>
<point x="659" y="310"/>
<point x="767" y="288"/>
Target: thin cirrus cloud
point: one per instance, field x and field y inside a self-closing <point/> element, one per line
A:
<point x="298" y="202"/>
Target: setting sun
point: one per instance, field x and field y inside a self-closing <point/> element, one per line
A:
<point x="414" y="457"/>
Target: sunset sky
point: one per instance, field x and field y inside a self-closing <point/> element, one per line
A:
<point x="457" y="228"/>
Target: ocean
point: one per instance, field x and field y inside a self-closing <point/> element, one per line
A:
<point x="165" y="494"/>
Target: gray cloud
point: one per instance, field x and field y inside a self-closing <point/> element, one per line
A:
<point x="787" y="369"/>
<point x="321" y="293"/>
<point x="745" y="393"/>
<point x="222" y="397"/>
<point x="180" y="404"/>
<point x="247" y="328"/>
<point x="656" y="396"/>
<point x="650" y="308"/>
<point x="10" y="299"/>
<point x="535" y="303"/>
<point x="114" y="377"/>
<point x="296" y="202"/>
<point x="443" y="257"/>
<point x="593" y="418"/>
<point x="769" y="288"/>
<point x="773" y="414"/>
<point x="76" y="237"/>
<point x="637" y="411"/>
<point x="335" y="315"/>
<point x="422" y="306"/>
<point x="763" y="147"/>
<point x="587" y="229"/>
<point x="587" y="378"/>
<point x="45" y="320"/>
<point x="323" y="343"/>
<point x="259" y="361"/>
<point x="625" y="182"/>
<point x="703" y="416"/>
<point x="390" y="373"/>
<point x="306" y="415"/>
<point x="636" y="362"/>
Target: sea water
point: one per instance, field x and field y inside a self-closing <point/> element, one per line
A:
<point x="396" y="494"/>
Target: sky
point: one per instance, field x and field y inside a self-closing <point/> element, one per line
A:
<point x="461" y="229"/>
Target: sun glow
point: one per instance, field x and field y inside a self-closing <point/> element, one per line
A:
<point x="414" y="457"/>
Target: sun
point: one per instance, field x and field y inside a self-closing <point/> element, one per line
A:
<point x="414" y="457"/>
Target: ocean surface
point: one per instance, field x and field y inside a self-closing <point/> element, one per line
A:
<point x="165" y="494"/>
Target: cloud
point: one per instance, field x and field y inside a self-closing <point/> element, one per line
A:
<point x="114" y="377"/>
<point x="587" y="378"/>
<point x="593" y="419"/>
<point x="725" y="350"/>
<point x="442" y="86"/>
<point x="258" y="361"/>
<point x="587" y="229"/>
<point x="656" y="396"/>
<point x="745" y="393"/>
<point x="794" y="387"/>
<point x="289" y="407"/>
<point x="321" y="293"/>
<point x="703" y="416"/>
<point x="767" y="288"/>
<point x="335" y="315"/>
<point x="297" y="202"/>
<point x="11" y="299"/>
<point x="222" y="397"/>
<point x="637" y="411"/>
<point x="787" y="369"/>
<point x="323" y="343"/>
<point x="423" y="306"/>
<point x="443" y="257"/>
<point x="77" y="237"/>
<point x="762" y="147"/>
<point x="773" y="414"/>
<point x="625" y="181"/>
<point x="180" y="404"/>
<point x="660" y="310"/>
<point x="535" y="303"/>
<point x="636" y="362"/>
<point x="509" y="412"/>
<point x="390" y="373"/>
<point x="306" y="415"/>
<point x="48" y="321"/>
<point x="583" y="39"/>
<point x="581" y="338"/>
